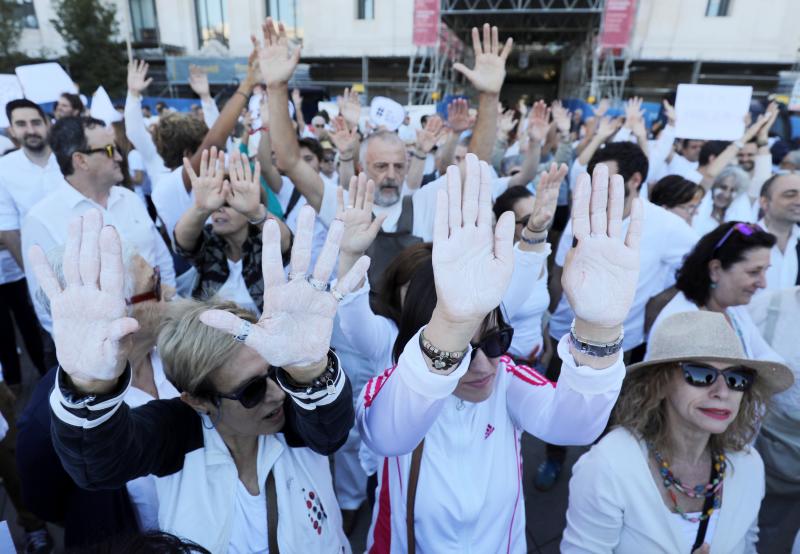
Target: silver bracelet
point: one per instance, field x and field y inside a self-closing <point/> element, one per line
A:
<point x="260" y="220"/>
<point x="596" y="349"/>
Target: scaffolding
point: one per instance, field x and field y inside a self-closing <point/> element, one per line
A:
<point x="430" y="69"/>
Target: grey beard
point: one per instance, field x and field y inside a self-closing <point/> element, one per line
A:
<point x="382" y="201"/>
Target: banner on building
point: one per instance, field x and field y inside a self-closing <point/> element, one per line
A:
<point x="617" y="27"/>
<point x="426" y="22"/>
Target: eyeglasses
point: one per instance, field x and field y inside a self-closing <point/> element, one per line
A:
<point x="494" y="344"/>
<point x="252" y="392"/>
<point x="746" y="229"/>
<point x="109" y="150"/>
<point x="737" y="378"/>
<point x="153" y="294"/>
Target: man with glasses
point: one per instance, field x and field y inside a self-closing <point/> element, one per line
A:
<point x="327" y="168"/>
<point x="90" y="163"/>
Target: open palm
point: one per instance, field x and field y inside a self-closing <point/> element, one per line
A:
<point x="490" y="61"/>
<point x="472" y="265"/>
<point x="602" y="270"/>
<point x="276" y="60"/>
<point x="360" y="229"/>
<point x="90" y="327"/>
<point x="209" y="192"/>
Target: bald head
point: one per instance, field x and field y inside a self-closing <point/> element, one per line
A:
<point x="780" y="198"/>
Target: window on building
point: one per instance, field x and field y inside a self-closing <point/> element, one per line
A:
<point x="144" y="22"/>
<point x="365" y="9"/>
<point x="717" y="8"/>
<point x="288" y="13"/>
<point x="24" y="11"/>
<point x="212" y="20"/>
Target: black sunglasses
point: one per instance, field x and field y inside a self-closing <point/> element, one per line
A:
<point x="494" y="344"/>
<point x="251" y="393"/>
<point x="737" y="378"/>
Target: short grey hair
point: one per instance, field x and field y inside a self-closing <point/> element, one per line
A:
<point x="56" y="259"/>
<point x="385" y="136"/>
<point x="741" y="179"/>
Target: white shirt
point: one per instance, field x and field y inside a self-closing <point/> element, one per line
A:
<point x="740" y="209"/>
<point x="679" y="165"/>
<point x="783" y="269"/>
<point x="320" y="225"/>
<point x="22" y="184"/>
<point x="666" y="239"/>
<point x="171" y="199"/>
<point x="142" y="490"/>
<point x="235" y="289"/>
<point x="249" y="522"/>
<point x="136" y="163"/>
<point x="47" y="222"/>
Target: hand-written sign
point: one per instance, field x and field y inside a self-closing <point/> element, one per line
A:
<point x="711" y="112"/>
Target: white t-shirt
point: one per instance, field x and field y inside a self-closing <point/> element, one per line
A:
<point x="689" y="529"/>
<point x="320" y="227"/>
<point x="666" y="239"/>
<point x="235" y="289"/>
<point x="22" y="184"/>
<point x="782" y="272"/>
<point x="679" y="165"/>
<point x="171" y="198"/>
<point x="249" y="532"/>
<point x="739" y="210"/>
<point x="136" y="163"/>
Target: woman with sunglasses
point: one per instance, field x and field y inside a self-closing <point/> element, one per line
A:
<point x="678" y="473"/>
<point x="241" y="456"/>
<point x="227" y="251"/>
<point x="448" y="418"/>
<point x="721" y="274"/>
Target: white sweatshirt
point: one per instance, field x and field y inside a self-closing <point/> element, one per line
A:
<point x="469" y="496"/>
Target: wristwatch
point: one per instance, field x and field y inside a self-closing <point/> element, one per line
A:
<point x="596" y="349"/>
<point x="442" y="360"/>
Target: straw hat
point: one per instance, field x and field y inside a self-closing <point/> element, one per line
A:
<point x="705" y="336"/>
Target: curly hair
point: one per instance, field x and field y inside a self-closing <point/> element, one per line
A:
<point x="176" y="135"/>
<point x="642" y="410"/>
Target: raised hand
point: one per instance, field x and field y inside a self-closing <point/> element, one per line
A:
<point x="137" y="77"/>
<point x="345" y="139"/>
<point x="294" y="331"/>
<point x="350" y="107"/>
<point x="602" y="107"/>
<point x="243" y="189"/>
<point x="360" y="229"/>
<point x="506" y="123"/>
<point x="428" y="137"/>
<point x="561" y="117"/>
<point x="669" y="112"/>
<point x="208" y="187"/>
<point x="198" y="81"/>
<point x="90" y="327"/>
<point x="472" y="263"/>
<point x="297" y="98"/>
<point x="607" y="127"/>
<point x="275" y="59"/>
<point x="771" y="113"/>
<point x="754" y="128"/>
<point x="458" y="115"/>
<point x="546" y="199"/>
<point x="490" y="61"/>
<point x="601" y="272"/>
<point x="263" y="110"/>
<point x="538" y="122"/>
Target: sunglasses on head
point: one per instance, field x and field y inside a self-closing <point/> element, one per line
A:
<point x="494" y="344"/>
<point x="108" y="149"/>
<point x="737" y="378"/>
<point x="152" y="294"/>
<point x="251" y="393"/>
<point x="745" y="229"/>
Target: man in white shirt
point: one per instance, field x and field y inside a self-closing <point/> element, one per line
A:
<point x="26" y="176"/>
<point x="780" y="201"/>
<point x="90" y="163"/>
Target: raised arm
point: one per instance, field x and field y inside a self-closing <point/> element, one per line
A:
<point x="297" y="100"/>
<point x="457" y="123"/>
<point x="729" y="154"/>
<point x="135" y="128"/>
<point x="345" y="140"/>
<point x="487" y="78"/>
<point x="634" y="120"/>
<point x="209" y="195"/>
<point x="427" y="138"/>
<point x="264" y="154"/>
<point x="538" y="125"/>
<point x="606" y="128"/>
<point x="198" y="81"/>
<point x="277" y="66"/>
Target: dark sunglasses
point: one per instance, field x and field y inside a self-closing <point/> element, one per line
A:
<point x="736" y="378"/>
<point x="109" y="150"/>
<point x="494" y="344"/>
<point x="746" y="229"/>
<point x="252" y="392"/>
<point x="152" y="294"/>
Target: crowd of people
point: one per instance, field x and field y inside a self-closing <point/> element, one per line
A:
<point x="247" y="327"/>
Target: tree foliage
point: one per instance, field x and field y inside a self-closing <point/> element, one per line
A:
<point x="95" y="55"/>
<point x="10" y="28"/>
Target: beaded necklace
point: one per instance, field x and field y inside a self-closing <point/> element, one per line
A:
<point x="700" y="491"/>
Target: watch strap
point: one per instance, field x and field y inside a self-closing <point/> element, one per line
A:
<point x="442" y="360"/>
<point x="599" y="350"/>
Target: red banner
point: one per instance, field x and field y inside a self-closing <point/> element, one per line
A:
<point x="426" y="22"/>
<point x="618" y="19"/>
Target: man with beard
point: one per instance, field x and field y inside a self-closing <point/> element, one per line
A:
<point x="90" y="162"/>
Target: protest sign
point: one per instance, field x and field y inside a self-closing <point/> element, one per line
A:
<point x="386" y="112"/>
<point x="711" y="112"/>
<point x="103" y="109"/>
<point x="44" y="82"/>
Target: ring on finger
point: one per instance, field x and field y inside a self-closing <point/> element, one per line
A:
<point x="295" y="275"/>
<point x="244" y="331"/>
<point x="322" y="286"/>
<point x="337" y="295"/>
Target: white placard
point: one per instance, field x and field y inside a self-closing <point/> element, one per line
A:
<point x="386" y="112"/>
<point x="44" y="82"/>
<point x="6" y="543"/>
<point x="103" y="108"/>
<point x="10" y="89"/>
<point x="711" y="112"/>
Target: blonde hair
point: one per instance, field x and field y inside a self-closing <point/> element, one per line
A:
<point x="190" y="349"/>
<point x="175" y="135"/>
<point x="641" y="409"/>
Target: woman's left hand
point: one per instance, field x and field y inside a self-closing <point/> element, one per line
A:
<point x="243" y="188"/>
<point x="295" y="329"/>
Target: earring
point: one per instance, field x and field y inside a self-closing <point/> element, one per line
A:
<point x="713" y="285"/>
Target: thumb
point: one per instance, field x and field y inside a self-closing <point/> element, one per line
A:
<point x="704" y="549"/>
<point x="464" y="70"/>
<point x="504" y="239"/>
<point x="377" y="223"/>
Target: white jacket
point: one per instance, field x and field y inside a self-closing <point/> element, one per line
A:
<point x="469" y="497"/>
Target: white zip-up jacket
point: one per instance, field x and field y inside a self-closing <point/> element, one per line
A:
<point x="469" y="494"/>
